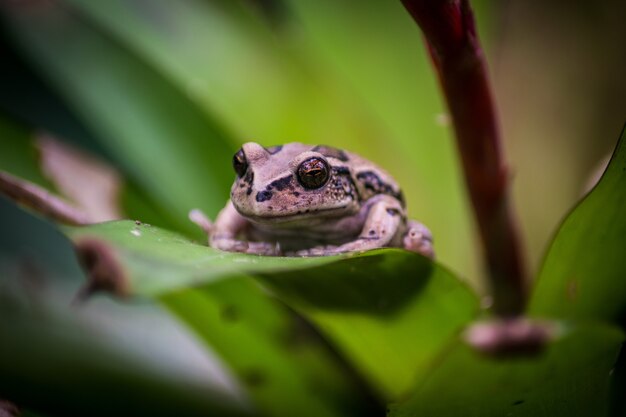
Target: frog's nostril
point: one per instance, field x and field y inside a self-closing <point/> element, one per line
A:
<point x="263" y="196"/>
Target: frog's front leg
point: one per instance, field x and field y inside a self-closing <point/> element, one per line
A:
<point x="228" y="225"/>
<point x="384" y="221"/>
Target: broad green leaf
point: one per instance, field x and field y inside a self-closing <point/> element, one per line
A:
<point x="583" y="273"/>
<point x="388" y="311"/>
<point x="159" y="261"/>
<point x="278" y="357"/>
<point x="252" y="333"/>
<point x="18" y="156"/>
<point x="571" y="378"/>
<point x="58" y="363"/>
<point x="232" y="67"/>
<point x="163" y="141"/>
<point x="99" y="358"/>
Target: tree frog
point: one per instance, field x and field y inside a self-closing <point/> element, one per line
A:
<point x="305" y="200"/>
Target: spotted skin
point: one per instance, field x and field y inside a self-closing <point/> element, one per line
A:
<point x="373" y="185"/>
<point x="331" y="152"/>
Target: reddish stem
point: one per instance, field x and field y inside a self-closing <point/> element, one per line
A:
<point x="448" y="26"/>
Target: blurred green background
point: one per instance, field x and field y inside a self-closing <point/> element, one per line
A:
<point x="167" y="91"/>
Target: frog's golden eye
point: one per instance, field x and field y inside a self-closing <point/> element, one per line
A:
<point x="313" y="173"/>
<point x="240" y="164"/>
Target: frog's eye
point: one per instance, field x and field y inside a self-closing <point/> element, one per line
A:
<point x="240" y="164"/>
<point x="313" y="173"/>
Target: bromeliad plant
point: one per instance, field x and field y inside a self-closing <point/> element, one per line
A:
<point x="385" y="331"/>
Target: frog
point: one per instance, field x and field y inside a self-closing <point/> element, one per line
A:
<point x="312" y="200"/>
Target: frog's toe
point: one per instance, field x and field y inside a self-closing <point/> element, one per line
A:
<point x="264" y="248"/>
<point x="419" y="239"/>
<point x="315" y="251"/>
<point x="244" y="246"/>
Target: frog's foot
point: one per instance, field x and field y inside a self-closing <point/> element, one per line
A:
<point x="419" y="239"/>
<point x="227" y="243"/>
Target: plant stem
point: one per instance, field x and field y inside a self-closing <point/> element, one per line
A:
<point x="42" y="201"/>
<point x="449" y="29"/>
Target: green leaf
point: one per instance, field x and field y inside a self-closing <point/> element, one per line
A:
<point x="162" y="140"/>
<point x="388" y="311"/>
<point x="159" y="261"/>
<point x="18" y="155"/>
<point x="99" y="358"/>
<point x="571" y="378"/>
<point x="278" y="357"/>
<point x="84" y="371"/>
<point x="207" y="49"/>
<point x="583" y="273"/>
<point x="256" y="336"/>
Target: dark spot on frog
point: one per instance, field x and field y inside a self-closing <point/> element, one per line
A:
<point x="281" y="183"/>
<point x="393" y="211"/>
<point x="230" y="313"/>
<point x="242" y="185"/>
<point x="262" y="196"/>
<point x="373" y="183"/>
<point x="254" y="378"/>
<point x="296" y="194"/>
<point x="400" y="196"/>
<point x="372" y="232"/>
<point x="518" y="402"/>
<point x="274" y="149"/>
<point x="341" y="170"/>
<point x="270" y="208"/>
<point x="331" y="152"/>
<point x="249" y="191"/>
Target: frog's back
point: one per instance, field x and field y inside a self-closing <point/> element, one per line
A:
<point x="369" y="178"/>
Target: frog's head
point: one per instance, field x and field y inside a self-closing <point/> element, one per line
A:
<point x="292" y="182"/>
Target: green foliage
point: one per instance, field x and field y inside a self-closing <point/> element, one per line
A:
<point x="583" y="274"/>
<point x="159" y="261"/>
<point x="571" y="378"/>
<point x="63" y="358"/>
<point x="375" y="306"/>
<point x="150" y="127"/>
<point x="18" y="155"/>
<point x="282" y="363"/>
<point x="169" y="90"/>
